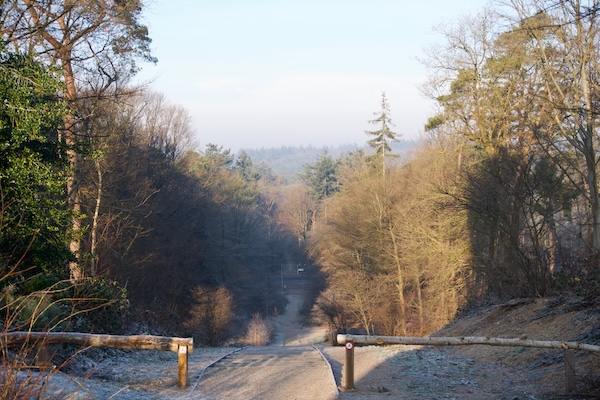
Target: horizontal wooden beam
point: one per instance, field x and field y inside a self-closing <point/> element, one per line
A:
<point x="140" y="342"/>
<point x="465" y="340"/>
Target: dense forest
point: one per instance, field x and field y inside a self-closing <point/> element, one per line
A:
<point x="112" y="220"/>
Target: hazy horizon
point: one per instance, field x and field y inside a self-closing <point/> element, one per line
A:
<point x="271" y="73"/>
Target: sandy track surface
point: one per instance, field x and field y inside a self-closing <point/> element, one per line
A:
<point x="269" y="373"/>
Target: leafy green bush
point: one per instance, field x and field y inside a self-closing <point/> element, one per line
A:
<point x="35" y="220"/>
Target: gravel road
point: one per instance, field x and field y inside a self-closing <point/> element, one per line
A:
<point x="269" y="373"/>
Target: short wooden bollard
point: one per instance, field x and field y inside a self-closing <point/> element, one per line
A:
<point x="182" y="362"/>
<point x="570" y="375"/>
<point x="42" y="358"/>
<point x="349" y="367"/>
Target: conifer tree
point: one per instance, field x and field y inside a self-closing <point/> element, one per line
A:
<point x="382" y="136"/>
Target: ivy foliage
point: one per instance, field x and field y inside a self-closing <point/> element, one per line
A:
<point x="34" y="218"/>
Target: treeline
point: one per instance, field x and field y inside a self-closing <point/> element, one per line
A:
<point x="111" y="219"/>
<point x="502" y="201"/>
<point x="288" y="162"/>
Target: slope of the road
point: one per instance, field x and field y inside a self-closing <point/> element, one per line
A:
<point x="289" y="327"/>
<point x="290" y="368"/>
<point x="297" y="372"/>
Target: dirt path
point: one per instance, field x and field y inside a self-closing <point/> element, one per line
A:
<point x="289" y="330"/>
<point x="288" y="369"/>
<point x="297" y="372"/>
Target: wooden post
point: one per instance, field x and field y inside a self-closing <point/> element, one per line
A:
<point x="183" y="365"/>
<point x="349" y="367"/>
<point x="42" y="358"/>
<point x="571" y="377"/>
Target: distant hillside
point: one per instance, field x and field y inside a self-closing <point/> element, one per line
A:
<point x="289" y="161"/>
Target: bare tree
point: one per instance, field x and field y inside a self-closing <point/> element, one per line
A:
<point x="211" y="314"/>
<point x="163" y="126"/>
<point x="296" y="211"/>
<point x="115" y="194"/>
<point x="491" y="89"/>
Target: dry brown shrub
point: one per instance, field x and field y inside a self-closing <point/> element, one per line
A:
<point x="211" y="314"/>
<point x="259" y="331"/>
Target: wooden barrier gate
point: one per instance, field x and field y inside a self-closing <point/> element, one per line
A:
<point x="567" y="347"/>
<point x="181" y="346"/>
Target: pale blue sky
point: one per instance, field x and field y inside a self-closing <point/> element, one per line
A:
<point x="266" y="73"/>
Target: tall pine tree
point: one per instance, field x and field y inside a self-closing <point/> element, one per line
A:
<point x="381" y="137"/>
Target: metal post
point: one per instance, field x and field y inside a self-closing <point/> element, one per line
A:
<point x="349" y="367"/>
<point x="182" y="361"/>
<point x="571" y="377"/>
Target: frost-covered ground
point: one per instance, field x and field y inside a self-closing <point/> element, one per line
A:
<point x="392" y="372"/>
<point x="128" y="375"/>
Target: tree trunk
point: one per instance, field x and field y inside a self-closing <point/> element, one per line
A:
<point x="420" y="307"/>
<point x="400" y="280"/>
<point x="467" y="340"/>
<point x="70" y="140"/>
<point x="141" y="342"/>
<point x="94" y="228"/>
<point x="588" y="134"/>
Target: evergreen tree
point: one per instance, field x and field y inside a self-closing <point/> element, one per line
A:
<point x="381" y="137"/>
<point x="95" y="44"/>
<point x="218" y="156"/>
<point x="321" y="177"/>
<point x="245" y="167"/>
